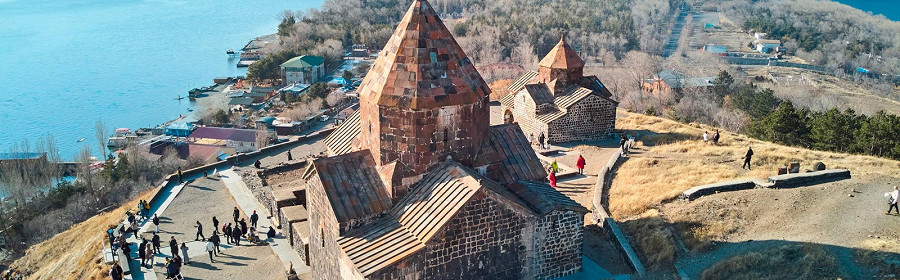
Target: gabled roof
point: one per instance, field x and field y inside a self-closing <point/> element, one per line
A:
<point x="509" y="157"/>
<point x="539" y="93"/>
<point x="342" y="140"/>
<point x="241" y="101"/>
<point x="562" y="56"/>
<point x="422" y="66"/>
<point x="520" y="83"/>
<point x="378" y="245"/>
<point x="303" y="61"/>
<point x="222" y="133"/>
<point x="352" y="185"/>
<point x="544" y="198"/>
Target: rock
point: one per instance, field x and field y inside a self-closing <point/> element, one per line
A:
<point x="818" y="166"/>
<point x="850" y="195"/>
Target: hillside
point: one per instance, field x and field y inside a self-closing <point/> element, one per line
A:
<point x="74" y="253"/>
<point x="840" y="222"/>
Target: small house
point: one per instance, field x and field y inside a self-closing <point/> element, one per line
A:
<point x="178" y="129"/>
<point x="243" y="140"/>
<point x="306" y="69"/>
<point x="767" y="46"/>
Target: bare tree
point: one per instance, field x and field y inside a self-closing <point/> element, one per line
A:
<point x="102" y="134"/>
<point x="262" y="137"/>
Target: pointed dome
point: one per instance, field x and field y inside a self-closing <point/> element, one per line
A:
<point x="422" y="66"/>
<point x="562" y="56"/>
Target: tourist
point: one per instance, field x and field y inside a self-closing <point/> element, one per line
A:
<point x="531" y="139"/>
<point x="892" y="203"/>
<point x="111" y="234"/>
<point x="156" y="242"/>
<point x="290" y="157"/>
<point x="209" y="249"/>
<point x="215" y="240"/>
<point x="552" y="178"/>
<point x="171" y="269"/>
<point x="180" y="178"/>
<point x="236" y="214"/>
<point x="705" y="137"/>
<point x="205" y="174"/>
<point x="257" y="164"/>
<point x="715" y="138"/>
<point x="236" y="236"/>
<point x="156" y="222"/>
<point x="141" y="208"/>
<point x="126" y="248"/>
<point x="130" y="217"/>
<point x="116" y="272"/>
<point x="184" y="252"/>
<point x="134" y="227"/>
<point x="580" y="164"/>
<point x="215" y="225"/>
<point x="747" y="158"/>
<point x="199" y="236"/>
<point x="243" y="227"/>
<point x="622" y="142"/>
<point x="271" y="233"/>
<point x="142" y="251"/>
<point x="149" y="254"/>
<point x="554" y="166"/>
<point x="173" y="246"/>
<point x="147" y="209"/>
<point x="254" y="218"/>
<point x="227" y="232"/>
<point x="541" y="140"/>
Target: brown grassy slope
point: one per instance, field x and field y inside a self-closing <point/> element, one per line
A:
<point x="670" y="158"/>
<point x="786" y="262"/>
<point x="74" y="253"/>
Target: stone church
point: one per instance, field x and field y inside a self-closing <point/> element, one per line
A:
<point x="418" y="185"/>
<point x="559" y="101"/>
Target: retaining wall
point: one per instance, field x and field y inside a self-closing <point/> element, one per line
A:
<point x="781" y="181"/>
<point x="699" y="191"/>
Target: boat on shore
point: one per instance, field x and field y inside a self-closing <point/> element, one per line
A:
<point x="230" y="51"/>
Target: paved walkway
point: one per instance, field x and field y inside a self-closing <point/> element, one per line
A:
<point x="248" y="203"/>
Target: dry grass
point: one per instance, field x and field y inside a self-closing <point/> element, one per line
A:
<point x="671" y="158"/>
<point x="74" y="253"/>
<point x="785" y="262"/>
<point x="876" y="254"/>
<point x="654" y="243"/>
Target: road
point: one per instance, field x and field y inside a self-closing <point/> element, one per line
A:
<point x="675" y="36"/>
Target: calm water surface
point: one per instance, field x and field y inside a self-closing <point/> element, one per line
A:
<point x="67" y="64"/>
<point x="889" y="8"/>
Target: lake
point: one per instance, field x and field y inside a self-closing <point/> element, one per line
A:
<point x="888" y="8"/>
<point x="68" y="64"/>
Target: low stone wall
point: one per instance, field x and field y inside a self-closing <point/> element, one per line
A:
<point x="600" y="201"/>
<point x="699" y="191"/>
<point x="621" y="244"/>
<point x="810" y="178"/>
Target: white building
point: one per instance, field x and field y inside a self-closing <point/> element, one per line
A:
<point x="306" y="69"/>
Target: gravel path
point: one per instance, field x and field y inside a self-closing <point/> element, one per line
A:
<point x="244" y="262"/>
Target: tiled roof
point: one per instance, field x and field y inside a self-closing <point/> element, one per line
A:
<point x="544" y="198"/>
<point x="342" y="140"/>
<point x="571" y="96"/>
<point x="422" y="66"/>
<point x="520" y="83"/>
<point x="509" y="156"/>
<point x="352" y="185"/>
<point x="539" y="93"/>
<point x="562" y="56"/>
<point x="379" y="245"/>
<point x="303" y="61"/>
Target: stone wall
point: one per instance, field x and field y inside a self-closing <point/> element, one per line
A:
<point x="558" y="239"/>
<point x="591" y="118"/>
<point x="323" y="233"/>
<point x="411" y="268"/>
<point x="483" y="241"/>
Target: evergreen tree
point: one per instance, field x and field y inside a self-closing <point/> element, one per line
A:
<point x="833" y="130"/>
<point x="785" y="125"/>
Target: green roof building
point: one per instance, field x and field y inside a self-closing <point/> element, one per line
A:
<point x="305" y="69"/>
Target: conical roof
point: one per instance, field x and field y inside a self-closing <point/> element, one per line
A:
<point x="562" y="56"/>
<point x="422" y="66"/>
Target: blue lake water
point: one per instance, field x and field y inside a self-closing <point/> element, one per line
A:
<point x="888" y="8"/>
<point x="67" y="64"/>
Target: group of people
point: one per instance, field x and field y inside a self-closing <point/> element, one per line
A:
<point x="714" y="138"/>
<point x="542" y="141"/>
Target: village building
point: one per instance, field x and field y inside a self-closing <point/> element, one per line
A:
<point x="305" y="69"/>
<point x="242" y="140"/>
<point x="674" y="81"/>
<point x="418" y="185"/>
<point x="560" y="102"/>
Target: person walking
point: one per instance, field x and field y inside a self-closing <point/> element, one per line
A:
<point x="149" y="254"/>
<point x="892" y="203"/>
<point x="156" y="222"/>
<point x="141" y="208"/>
<point x="253" y="219"/>
<point x="541" y="140"/>
<point x="531" y="139"/>
<point x="209" y="249"/>
<point x="126" y="248"/>
<point x="180" y="178"/>
<point x="184" y="253"/>
<point x="236" y="236"/>
<point x="747" y="158"/>
<point x="156" y="244"/>
<point x="199" y="236"/>
<point x="215" y="225"/>
<point x="171" y="268"/>
<point x="147" y="209"/>
<point x="116" y="272"/>
<point x="227" y="232"/>
<point x="215" y="240"/>
<point x="580" y="164"/>
<point x="290" y="157"/>
<point x="257" y="164"/>
<point x="142" y="252"/>
<point x="236" y="214"/>
<point x="554" y="166"/>
<point x="173" y="246"/>
<point x="134" y="227"/>
<point x="622" y="142"/>
<point x="243" y="227"/>
<point x="715" y="138"/>
<point x="705" y="137"/>
<point x="546" y="143"/>
<point x="552" y="179"/>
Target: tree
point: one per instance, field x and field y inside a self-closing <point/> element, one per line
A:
<point x="785" y="125"/>
<point x="833" y="130"/>
<point x="318" y="90"/>
<point x="347" y="75"/>
<point x="722" y="85"/>
<point x="102" y="134"/>
<point x="262" y="137"/>
<point x="878" y="136"/>
<point x="757" y="103"/>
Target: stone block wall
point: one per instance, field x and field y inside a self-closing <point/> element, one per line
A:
<point x="483" y="241"/>
<point x="410" y="268"/>
<point x="592" y="118"/>
<point x="323" y="233"/>
<point x="558" y="238"/>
